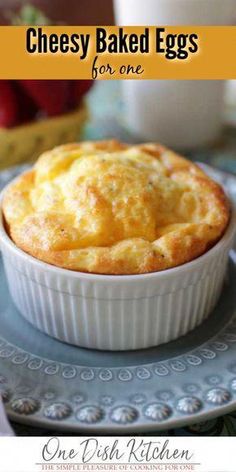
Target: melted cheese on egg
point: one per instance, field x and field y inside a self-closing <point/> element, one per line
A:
<point x="116" y="209"/>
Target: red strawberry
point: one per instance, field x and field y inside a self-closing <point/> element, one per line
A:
<point x="78" y="88"/>
<point x="50" y="95"/>
<point x="27" y="109"/>
<point x="8" y="105"/>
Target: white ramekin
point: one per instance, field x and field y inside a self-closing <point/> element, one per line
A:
<point x="115" y="312"/>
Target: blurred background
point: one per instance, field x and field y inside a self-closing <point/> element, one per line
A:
<point x="197" y="118"/>
<point x="74" y="12"/>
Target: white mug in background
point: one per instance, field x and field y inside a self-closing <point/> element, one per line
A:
<point x="183" y="114"/>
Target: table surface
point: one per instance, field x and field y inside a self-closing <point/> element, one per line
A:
<point x="107" y="121"/>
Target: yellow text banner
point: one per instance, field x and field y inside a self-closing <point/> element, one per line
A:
<point x="112" y="52"/>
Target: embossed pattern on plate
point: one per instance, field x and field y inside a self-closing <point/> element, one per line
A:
<point x="48" y="383"/>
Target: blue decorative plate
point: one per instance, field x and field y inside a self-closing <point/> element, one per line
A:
<point x="48" y="383"/>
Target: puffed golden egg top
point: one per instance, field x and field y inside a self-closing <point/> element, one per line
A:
<point x="110" y="208"/>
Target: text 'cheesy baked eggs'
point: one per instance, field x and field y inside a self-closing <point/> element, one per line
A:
<point x="110" y="208"/>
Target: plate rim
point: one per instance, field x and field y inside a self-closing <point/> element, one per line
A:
<point x="144" y="425"/>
